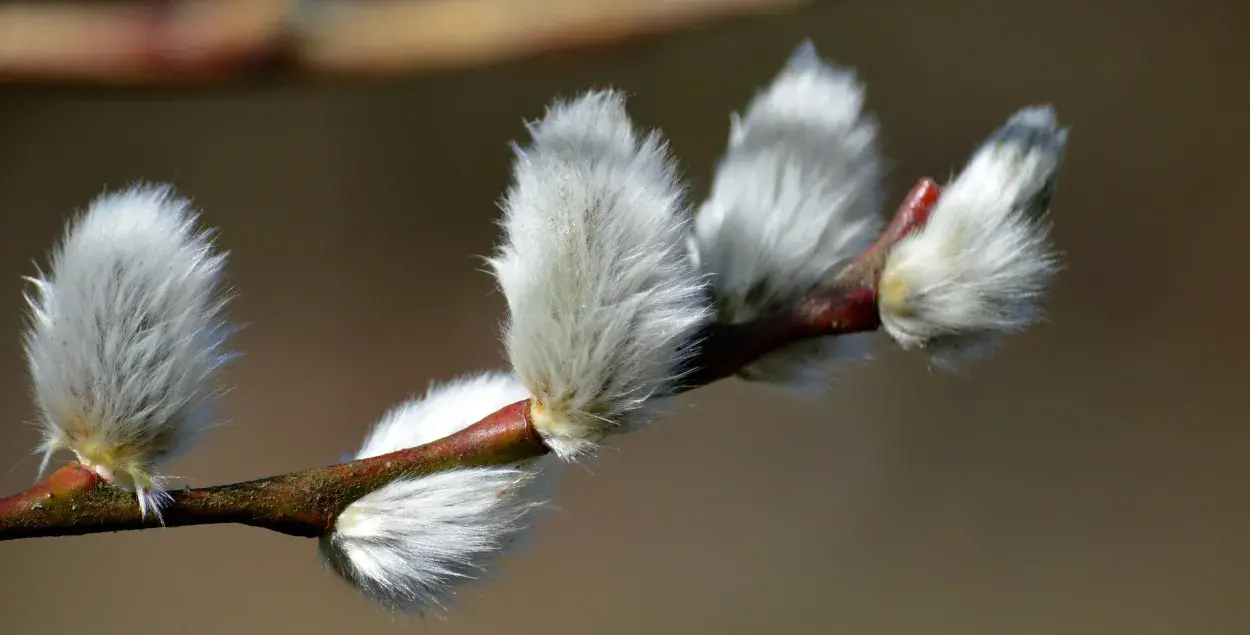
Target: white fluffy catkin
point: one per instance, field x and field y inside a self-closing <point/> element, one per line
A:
<point x="603" y="301"/>
<point x="980" y="265"/>
<point x="407" y="545"/>
<point x="125" y="336"/>
<point x="796" y="197"/>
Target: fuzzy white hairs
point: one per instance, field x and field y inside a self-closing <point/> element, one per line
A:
<point x="978" y="267"/>
<point x="407" y="544"/>
<point x="125" y="336"/>
<point x="796" y="197"/>
<point x="603" y="301"/>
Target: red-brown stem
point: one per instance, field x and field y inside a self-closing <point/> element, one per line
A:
<point x="912" y="214"/>
<point x="75" y="501"/>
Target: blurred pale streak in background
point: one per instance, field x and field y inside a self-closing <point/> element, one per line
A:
<point x="199" y="40"/>
<point x="1089" y="479"/>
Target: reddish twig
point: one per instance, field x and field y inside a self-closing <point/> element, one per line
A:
<point x="75" y="501"/>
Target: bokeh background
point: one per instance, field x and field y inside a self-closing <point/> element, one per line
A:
<point x="1089" y="479"/>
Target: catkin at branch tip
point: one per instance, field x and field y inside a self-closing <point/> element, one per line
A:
<point x="978" y="268"/>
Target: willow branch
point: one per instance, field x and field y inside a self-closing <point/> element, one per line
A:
<point x="75" y="501"/>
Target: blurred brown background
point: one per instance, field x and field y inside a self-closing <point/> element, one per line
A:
<point x="1089" y="479"/>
